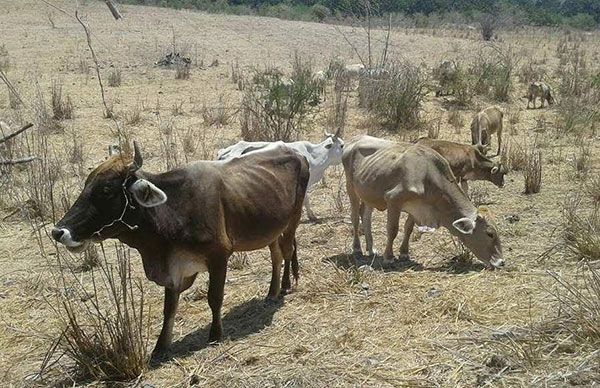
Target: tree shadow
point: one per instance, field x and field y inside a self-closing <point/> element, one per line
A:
<point x="247" y="318"/>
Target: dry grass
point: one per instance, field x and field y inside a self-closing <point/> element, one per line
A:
<point x="532" y="173"/>
<point x="105" y="338"/>
<point x="114" y="77"/>
<point x="62" y="107"/>
<point x="581" y="229"/>
<point x="182" y="71"/>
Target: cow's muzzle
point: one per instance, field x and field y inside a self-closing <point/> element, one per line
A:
<point x="63" y="236"/>
<point x="497" y="262"/>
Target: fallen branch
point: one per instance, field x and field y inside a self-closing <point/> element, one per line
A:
<point x="115" y="12"/>
<point x="11" y="162"/>
<point x="8" y="137"/>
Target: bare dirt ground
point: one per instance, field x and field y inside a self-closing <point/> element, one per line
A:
<point x="432" y="325"/>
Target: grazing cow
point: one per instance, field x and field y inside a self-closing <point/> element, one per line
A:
<point x="484" y="124"/>
<point x="446" y="74"/>
<point x="467" y="162"/>
<point x="417" y="180"/>
<point x="191" y="219"/>
<point x="319" y="156"/>
<point x="539" y="90"/>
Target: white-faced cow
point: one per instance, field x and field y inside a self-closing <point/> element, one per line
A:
<point x="320" y="156"/>
<point x="484" y="125"/>
<point x="191" y="219"/>
<point x="416" y="180"/>
<point x="467" y="162"/>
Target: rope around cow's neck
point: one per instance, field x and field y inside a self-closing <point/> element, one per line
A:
<point x="120" y="219"/>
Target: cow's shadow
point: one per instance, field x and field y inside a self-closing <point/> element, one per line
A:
<point x="347" y="261"/>
<point x="245" y="319"/>
<point x="455" y="265"/>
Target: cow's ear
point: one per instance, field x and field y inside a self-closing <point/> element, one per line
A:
<point x="464" y="225"/>
<point x="147" y="194"/>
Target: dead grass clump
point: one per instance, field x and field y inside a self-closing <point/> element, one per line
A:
<point x="581" y="229"/>
<point x="533" y="171"/>
<point x="514" y="117"/>
<point x="396" y="101"/>
<point x="114" y="77"/>
<point x="239" y="260"/>
<point x="13" y="100"/>
<point x="433" y="128"/>
<point x="592" y="188"/>
<point x="493" y="74"/>
<point x="83" y="66"/>
<point x="4" y="58"/>
<point x="336" y="114"/>
<point x="530" y="72"/>
<point x="62" y="107"/>
<point x="103" y="325"/>
<point x="182" y="71"/>
<point x="514" y="156"/>
<point x="582" y="161"/>
<point x="134" y="115"/>
<point x="219" y="115"/>
<point x="177" y="109"/>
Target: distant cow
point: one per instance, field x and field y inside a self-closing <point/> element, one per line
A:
<point x="320" y="156"/>
<point x="467" y="162"/>
<point x="416" y="180"/>
<point x="486" y="123"/>
<point x="446" y="74"/>
<point x="539" y="90"/>
<point x="191" y="219"/>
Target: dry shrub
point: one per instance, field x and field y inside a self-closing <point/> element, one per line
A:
<point x="275" y="108"/>
<point x="396" y="100"/>
<point x="533" y="171"/>
<point x="182" y="71"/>
<point x="514" y="117"/>
<point x="337" y="113"/>
<point x="220" y="114"/>
<point x="488" y="23"/>
<point x="114" y="77"/>
<point x="433" y="128"/>
<point x="239" y="260"/>
<point x="83" y="66"/>
<point x="581" y="229"/>
<point x="514" y="156"/>
<point x="531" y="72"/>
<point x="456" y="119"/>
<point x="492" y="73"/>
<point x="592" y="188"/>
<point x="62" y="107"/>
<point x="13" y="100"/>
<point x="582" y="161"/>
<point x="177" y="109"/>
<point x="103" y="326"/>
<point x="169" y="144"/>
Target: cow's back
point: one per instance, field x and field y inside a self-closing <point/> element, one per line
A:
<point x="459" y="156"/>
<point x="260" y="192"/>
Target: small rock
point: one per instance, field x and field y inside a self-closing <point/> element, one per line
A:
<point x="513" y="218"/>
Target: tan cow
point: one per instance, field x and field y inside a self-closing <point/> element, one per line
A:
<point x="467" y="162"/>
<point x="416" y="180"/>
<point x="446" y="73"/>
<point x="539" y="90"/>
<point x="191" y="219"/>
<point x="486" y="123"/>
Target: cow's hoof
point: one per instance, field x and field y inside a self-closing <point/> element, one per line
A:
<point x="357" y="254"/>
<point x="388" y="260"/>
<point x="272" y="299"/>
<point x="404" y="257"/>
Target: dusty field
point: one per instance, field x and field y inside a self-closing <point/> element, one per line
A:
<point x="433" y="325"/>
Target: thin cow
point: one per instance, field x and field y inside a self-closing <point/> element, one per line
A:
<point x="320" y="156"/>
<point x="484" y="125"/>
<point x="416" y="180"/>
<point x="191" y="219"/>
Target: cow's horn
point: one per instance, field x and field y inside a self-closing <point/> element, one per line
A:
<point x="137" y="156"/>
<point x="337" y="131"/>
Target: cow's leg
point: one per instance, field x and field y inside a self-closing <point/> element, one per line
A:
<point x="309" y="213"/>
<point x="288" y="246"/>
<point x="465" y="187"/>
<point x="169" y="310"/>
<point x="276" y="261"/>
<point x="367" y="214"/>
<point x="499" y="135"/>
<point x="355" y="216"/>
<point x="393" y="217"/>
<point x="216" y="283"/>
<point x="408" y="229"/>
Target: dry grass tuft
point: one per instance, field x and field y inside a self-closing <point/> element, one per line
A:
<point x="62" y="107"/>
<point x="114" y="77"/>
<point x="182" y="71"/>
<point x="514" y="156"/>
<point x="581" y="229"/>
<point x="104" y="336"/>
<point x="533" y="171"/>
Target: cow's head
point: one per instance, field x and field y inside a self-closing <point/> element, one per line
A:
<point x="487" y="169"/>
<point x="497" y="174"/>
<point x="334" y="146"/>
<point x="104" y="208"/>
<point x="481" y="238"/>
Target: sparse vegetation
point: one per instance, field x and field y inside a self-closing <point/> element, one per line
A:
<point x="182" y="71"/>
<point x="581" y="229"/>
<point x="533" y="171"/>
<point x="114" y="77"/>
<point x="62" y="107"/>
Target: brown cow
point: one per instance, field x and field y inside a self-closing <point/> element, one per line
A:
<point x="192" y="218"/>
<point x="539" y="90"/>
<point x="486" y="123"/>
<point x="467" y="162"/>
<point x="418" y="181"/>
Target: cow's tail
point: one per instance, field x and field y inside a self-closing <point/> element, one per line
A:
<point x="295" y="266"/>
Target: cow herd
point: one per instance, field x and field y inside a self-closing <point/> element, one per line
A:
<point x="191" y="219"/>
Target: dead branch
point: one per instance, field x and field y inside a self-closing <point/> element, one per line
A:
<point x="107" y="111"/>
<point x="115" y="12"/>
<point x="11" y="162"/>
<point x="10" y="86"/>
<point x="8" y="137"/>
